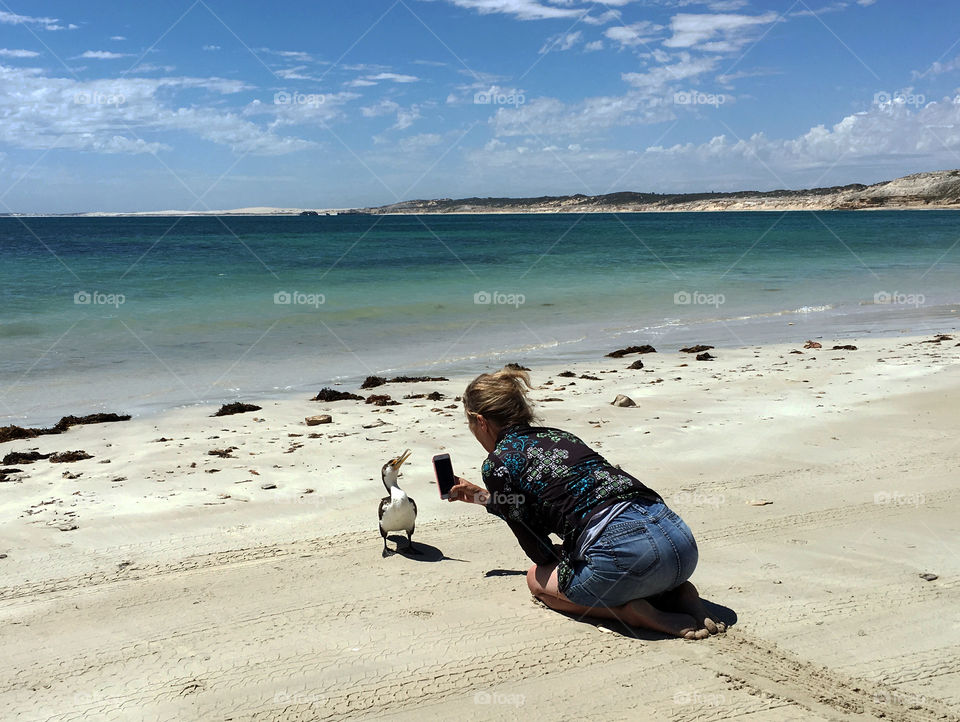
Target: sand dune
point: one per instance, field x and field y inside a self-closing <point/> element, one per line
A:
<point x="185" y="593"/>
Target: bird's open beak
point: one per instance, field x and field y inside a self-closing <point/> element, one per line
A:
<point x="398" y="462"/>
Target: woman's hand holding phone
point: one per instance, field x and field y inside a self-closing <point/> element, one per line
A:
<point x="463" y="490"/>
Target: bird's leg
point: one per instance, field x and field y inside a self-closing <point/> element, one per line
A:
<point x="410" y="548"/>
<point x="386" y="552"/>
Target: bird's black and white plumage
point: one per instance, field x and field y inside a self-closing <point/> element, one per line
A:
<point x="398" y="512"/>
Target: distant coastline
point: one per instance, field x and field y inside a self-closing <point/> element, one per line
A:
<point x="936" y="190"/>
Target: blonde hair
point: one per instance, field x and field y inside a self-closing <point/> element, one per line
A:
<point x="500" y="397"/>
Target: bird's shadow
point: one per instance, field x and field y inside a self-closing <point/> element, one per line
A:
<point x="422" y="552"/>
<point x="718" y="613"/>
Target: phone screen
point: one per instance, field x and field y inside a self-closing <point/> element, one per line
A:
<point x="445" y="476"/>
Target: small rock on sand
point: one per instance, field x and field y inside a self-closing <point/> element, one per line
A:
<point x="846" y="347"/>
<point x="928" y="577"/>
<point x="67" y="526"/>
<point x="759" y="502"/>
<point x="623" y="401"/>
<point x="638" y="364"/>
<point x="318" y="419"/>
<point x="705" y="356"/>
<point x="812" y="344"/>
<point x="695" y="349"/>
<point x="268" y="485"/>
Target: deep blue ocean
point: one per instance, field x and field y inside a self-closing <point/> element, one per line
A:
<point x="141" y="314"/>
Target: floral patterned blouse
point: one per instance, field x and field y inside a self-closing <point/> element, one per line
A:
<point x="544" y="481"/>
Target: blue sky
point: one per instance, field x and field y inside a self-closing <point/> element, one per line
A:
<point x="211" y="104"/>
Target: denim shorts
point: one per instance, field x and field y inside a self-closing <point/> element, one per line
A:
<point x="644" y="551"/>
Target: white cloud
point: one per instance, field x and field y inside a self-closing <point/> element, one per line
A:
<point x="103" y="55"/>
<point x="634" y="34"/>
<point x="727" y="79"/>
<point x="297" y="55"/>
<point x="561" y="42"/>
<point x="295" y="73"/>
<point x="883" y="142"/>
<point x="937" y="68"/>
<point x="549" y="117"/>
<point x="5" y="53"/>
<point x="726" y="32"/>
<point x="656" y="80"/>
<point x="117" y="37"/>
<point x="394" y="77"/>
<point x="521" y="9"/>
<point x="593" y="46"/>
<point x="123" y="115"/>
<point x="418" y="143"/>
<point x="368" y="80"/>
<point x="384" y="107"/>
<point x="406" y="117"/>
<point x="211" y="48"/>
<point x="14" y="19"/>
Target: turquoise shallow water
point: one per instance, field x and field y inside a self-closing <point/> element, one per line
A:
<point x="145" y="313"/>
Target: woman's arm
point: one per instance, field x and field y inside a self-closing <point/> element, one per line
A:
<point x="538" y="549"/>
<point x="463" y="490"/>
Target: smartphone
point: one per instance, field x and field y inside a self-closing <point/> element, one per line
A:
<point x="443" y="469"/>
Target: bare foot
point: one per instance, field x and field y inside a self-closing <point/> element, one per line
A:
<point x="640" y="613"/>
<point x="686" y="599"/>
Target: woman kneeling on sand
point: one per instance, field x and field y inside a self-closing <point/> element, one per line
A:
<point x="625" y="555"/>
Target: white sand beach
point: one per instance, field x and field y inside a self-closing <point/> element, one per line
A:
<point x="820" y="486"/>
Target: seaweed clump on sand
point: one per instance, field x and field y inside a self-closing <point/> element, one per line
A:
<point x="236" y="408"/>
<point x="23" y="457"/>
<point x="66" y="457"/>
<point x="6" y="472"/>
<point x="13" y="433"/>
<point x="328" y="394"/>
<point x="620" y="353"/>
<point x="371" y="382"/>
